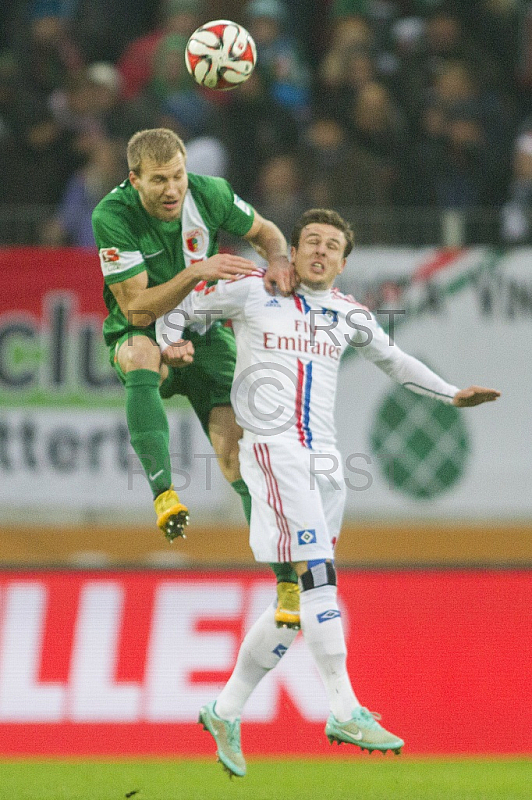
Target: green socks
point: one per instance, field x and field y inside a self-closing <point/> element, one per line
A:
<point x="148" y="427"/>
<point x="241" y="489"/>
<point x="283" y="572"/>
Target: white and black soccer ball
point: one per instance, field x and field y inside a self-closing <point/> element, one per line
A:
<point x="220" y="55"/>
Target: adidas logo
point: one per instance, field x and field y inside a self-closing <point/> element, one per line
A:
<point x="273" y="302"/>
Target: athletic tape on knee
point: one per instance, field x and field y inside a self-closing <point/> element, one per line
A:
<point x="319" y="573"/>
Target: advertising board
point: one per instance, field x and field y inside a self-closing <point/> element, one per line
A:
<point x="119" y="663"/>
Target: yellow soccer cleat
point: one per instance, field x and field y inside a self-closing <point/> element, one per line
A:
<point x="172" y="515"/>
<point x="287" y="611"/>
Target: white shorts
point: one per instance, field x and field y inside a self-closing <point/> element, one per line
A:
<point x="296" y="508"/>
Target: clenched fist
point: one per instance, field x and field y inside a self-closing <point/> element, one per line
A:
<point x="180" y="354"/>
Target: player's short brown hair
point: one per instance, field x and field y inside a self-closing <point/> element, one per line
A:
<point x="159" y="145"/>
<point x="324" y="216"/>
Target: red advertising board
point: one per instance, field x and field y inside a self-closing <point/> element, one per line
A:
<point x="51" y="314"/>
<point x="37" y="271"/>
<point x="118" y="663"/>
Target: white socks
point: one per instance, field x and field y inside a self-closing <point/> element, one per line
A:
<point x="258" y="654"/>
<point x="322" y="628"/>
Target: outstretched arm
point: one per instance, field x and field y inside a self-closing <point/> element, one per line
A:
<point x="474" y="396"/>
<point x="266" y="238"/>
<point x="141" y="304"/>
<point x="416" y="376"/>
<point x="199" y="309"/>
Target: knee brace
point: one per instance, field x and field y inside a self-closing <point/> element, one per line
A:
<point x="319" y="573"/>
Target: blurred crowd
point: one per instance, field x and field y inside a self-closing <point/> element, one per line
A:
<point x="354" y="104"/>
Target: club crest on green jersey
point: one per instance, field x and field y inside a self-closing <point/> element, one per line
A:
<point x="194" y="240"/>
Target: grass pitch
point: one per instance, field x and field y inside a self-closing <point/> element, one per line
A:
<point x="275" y="779"/>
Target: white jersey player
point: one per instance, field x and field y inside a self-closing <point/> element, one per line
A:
<point x="288" y="355"/>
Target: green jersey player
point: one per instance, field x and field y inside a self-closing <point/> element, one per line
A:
<point x="157" y="235"/>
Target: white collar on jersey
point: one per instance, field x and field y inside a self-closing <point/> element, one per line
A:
<point x="316" y="294"/>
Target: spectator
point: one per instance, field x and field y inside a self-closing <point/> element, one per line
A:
<point x="378" y="126"/>
<point x="348" y="63"/>
<point x="343" y="8"/>
<point x="517" y="211"/>
<point x="206" y="155"/>
<point x="198" y="123"/>
<point x="72" y="223"/>
<point x="498" y="26"/>
<point x="338" y="173"/>
<point x="305" y="24"/>
<point x="90" y="105"/>
<point x="74" y="106"/>
<point x="195" y="110"/>
<point x="13" y="99"/>
<point x="380" y="16"/>
<point x="452" y="73"/>
<point x="103" y="28"/>
<point x="257" y="128"/>
<point x="286" y="75"/>
<point x="118" y="117"/>
<point x="457" y="94"/>
<point x="349" y="34"/>
<point x="169" y="74"/>
<point x="16" y="114"/>
<point x="136" y="63"/>
<point x="456" y="171"/>
<point x="8" y="14"/>
<point x="443" y="40"/>
<point x="279" y="191"/>
<point x="43" y="150"/>
<point x="50" y="56"/>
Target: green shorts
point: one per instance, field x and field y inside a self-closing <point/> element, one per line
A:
<point x="207" y="381"/>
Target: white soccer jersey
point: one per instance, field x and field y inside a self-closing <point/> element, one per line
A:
<point x="288" y="354"/>
<point x="283" y="395"/>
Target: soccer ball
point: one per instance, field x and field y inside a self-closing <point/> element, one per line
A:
<point x="220" y="54"/>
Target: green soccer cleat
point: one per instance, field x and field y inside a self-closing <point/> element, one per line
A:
<point x="364" y="731"/>
<point x="227" y="737"/>
<point x="172" y="515"/>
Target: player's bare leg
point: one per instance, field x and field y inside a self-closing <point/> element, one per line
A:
<point x="225" y="433"/>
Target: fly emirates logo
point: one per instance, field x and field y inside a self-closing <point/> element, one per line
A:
<point x="311" y="339"/>
<point x="137" y="648"/>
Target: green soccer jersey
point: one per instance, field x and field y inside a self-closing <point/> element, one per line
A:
<point x="130" y="240"/>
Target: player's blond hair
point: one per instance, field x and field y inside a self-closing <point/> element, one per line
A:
<point x="324" y="216"/>
<point x="159" y="145"/>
